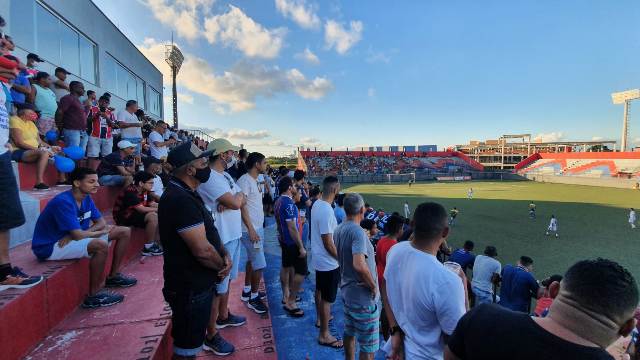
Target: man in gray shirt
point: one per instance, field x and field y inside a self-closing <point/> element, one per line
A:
<point x="485" y="269"/>
<point x="359" y="282"/>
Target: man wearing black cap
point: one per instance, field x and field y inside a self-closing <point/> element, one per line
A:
<point x="59" y="85"/>
<point x="485" y="269"/>
<point x="194" y="257"/>
<point x="32" y="63"/>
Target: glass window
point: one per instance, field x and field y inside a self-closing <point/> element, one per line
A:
<point x="122" y="77"/>
<point x="140" y="93"/>
<point x="154" y="102"/>
<point x="87" y="60"/>
<point x="47" y="35"/>
<point x="109" y="75"/>
<point x="131" y="87"/>
<point x="70" y="49"/>
<point x="21" y="23"/>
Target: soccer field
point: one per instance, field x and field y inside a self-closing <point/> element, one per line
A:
<point x="592" y="221"/>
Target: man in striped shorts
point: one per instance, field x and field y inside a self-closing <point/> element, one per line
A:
<point x="359" y="282"/>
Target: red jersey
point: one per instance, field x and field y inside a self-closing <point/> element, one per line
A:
<point x="126" y="202"/>
<point x="99" y="126"/>
<point x="382" y="249"/>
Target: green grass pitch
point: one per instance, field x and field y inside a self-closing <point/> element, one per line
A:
<point x="592" y="221"/>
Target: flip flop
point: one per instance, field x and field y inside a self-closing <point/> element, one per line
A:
<point x="333" y="344"/>
<point x="298" y="299"/>
<point x="296" y="313"/>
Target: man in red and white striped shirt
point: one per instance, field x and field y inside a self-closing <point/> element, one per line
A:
<point x="100" y="123"/>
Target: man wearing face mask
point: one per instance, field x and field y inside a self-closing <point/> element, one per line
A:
<point x="226" y="198"/>
<point x="193" y="253"/>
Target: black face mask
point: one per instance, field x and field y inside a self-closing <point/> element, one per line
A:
<point x="203" y="175"/>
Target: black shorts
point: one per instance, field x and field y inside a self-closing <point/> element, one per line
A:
<point x="291" y="258"/>
<point x="267" y="199"/>
<point x="135" y="220"/>
<point x="327" y="283"/>
<point x="11" y="214"/>
<point x="190" y="316"/>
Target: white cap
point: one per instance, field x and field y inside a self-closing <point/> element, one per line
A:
<point x="125" y="144"/>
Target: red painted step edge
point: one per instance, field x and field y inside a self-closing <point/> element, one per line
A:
<point x="29" y="314"/>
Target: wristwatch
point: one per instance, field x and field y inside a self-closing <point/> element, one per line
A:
<point x="396" y="329"/>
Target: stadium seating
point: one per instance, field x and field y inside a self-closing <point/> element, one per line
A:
<point x="46" y="322"/>
<point x="386" y="162"/>
<point x="583" y="164"/>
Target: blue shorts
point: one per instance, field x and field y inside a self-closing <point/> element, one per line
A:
<point x="233" y="248"/>
<point x="16" y="155"/>
<point x="255" y="255"/>
<point x="76" y="138"/>
<point x="362" y="322"/>
<point x="111" y="180"/>
<point x="137" y="142"/>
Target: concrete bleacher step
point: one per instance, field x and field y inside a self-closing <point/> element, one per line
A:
<point x="26" y="175"/>
<point x="29" y="314"/>
<point x="139" y="327"/>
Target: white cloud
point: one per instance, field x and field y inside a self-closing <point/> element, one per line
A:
<point x="371" y="92"/>
<point x="246" y="134"/>
<point x="238" y="88"/>
<point x="309" y="89"/>
<point x="236" y="29"/>
<point x="342" y="39"/>
<point x="377" y="56"/>
<point x="549" y="137"/>
<point x="309" y="140"/>
<point x="300" y="12"/>
<point x="181" y="15"/>
<point x="187" y="98"/>
<point x="308" y="56"/>
<point x="597" y="138"/>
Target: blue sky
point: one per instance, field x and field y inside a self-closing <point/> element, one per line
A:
<point x="274" y="74"/>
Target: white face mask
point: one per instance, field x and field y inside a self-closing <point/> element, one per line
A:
<point x="232" y="162"/>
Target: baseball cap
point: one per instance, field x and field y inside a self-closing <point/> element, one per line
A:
<point x="35" y="57"/>
<point x="125" y="144"/>
<point x="219" y="146"/>
<point x="183" y="154"/>
<point x="61" y="69"/>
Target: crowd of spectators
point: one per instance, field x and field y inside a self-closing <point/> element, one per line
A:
<point x="320" y="164"/>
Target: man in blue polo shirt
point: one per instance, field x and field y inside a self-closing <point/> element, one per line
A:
<point x="294" y="255"/>
<point x="519" y="286"/>
<point x="464" y="257"/>
<point x="71" y="227"/>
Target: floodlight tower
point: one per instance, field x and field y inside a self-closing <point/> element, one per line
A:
<point x="625" y="98"/>
<point x="173" y="56"/>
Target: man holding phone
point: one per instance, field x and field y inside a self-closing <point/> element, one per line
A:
<point x="100" y="122"/>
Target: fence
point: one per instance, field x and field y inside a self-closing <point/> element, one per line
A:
<point x="428" y="176"/>
<point x="579" y="180"/>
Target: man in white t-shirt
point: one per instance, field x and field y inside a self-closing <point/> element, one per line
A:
<point x="225" y="198"/>
<point x="407" y="212"/>
<point x="158" y="146"/>
<point x="324" y="258"/>
<point x="253" y="233"/>
<point x="426" y="298"/>
<point x="130" y="125"/>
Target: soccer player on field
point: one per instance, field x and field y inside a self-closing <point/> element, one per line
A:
<point x="532" y="210"/>
<point x="632" y="218"/>
<point x="553" y="226"/>
<point x="470" y="194"/>
<point x="452" y="215"/>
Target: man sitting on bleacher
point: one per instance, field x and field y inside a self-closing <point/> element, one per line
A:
<point x="117" y="168"/>
<point x="71" y="227"/>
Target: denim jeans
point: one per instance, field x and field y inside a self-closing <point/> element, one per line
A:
<point x="76" y="138"/>
<point x="483" y="297"/>
<point x="189" y="319"/>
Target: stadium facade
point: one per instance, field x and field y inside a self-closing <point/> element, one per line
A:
<point x="77" y="36"/>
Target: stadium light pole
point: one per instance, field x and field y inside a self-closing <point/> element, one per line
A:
<point x="625" y="97"/>
<point x="173" y="56"/>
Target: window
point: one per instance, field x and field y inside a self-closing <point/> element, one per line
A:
<point x="87" y="60"/>
<point x="120" y="81"/>
<point x="109" y="75"/>
<point x="155" y="102"/>
<point x="47" y="35"/>
<point x="140" y="93"/>
<point x="70" y="50"/>
<point x="36" y="29"/>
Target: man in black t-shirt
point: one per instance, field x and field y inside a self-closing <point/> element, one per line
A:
<point x="194" y="257"/>
<point x="594" y="305"/>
